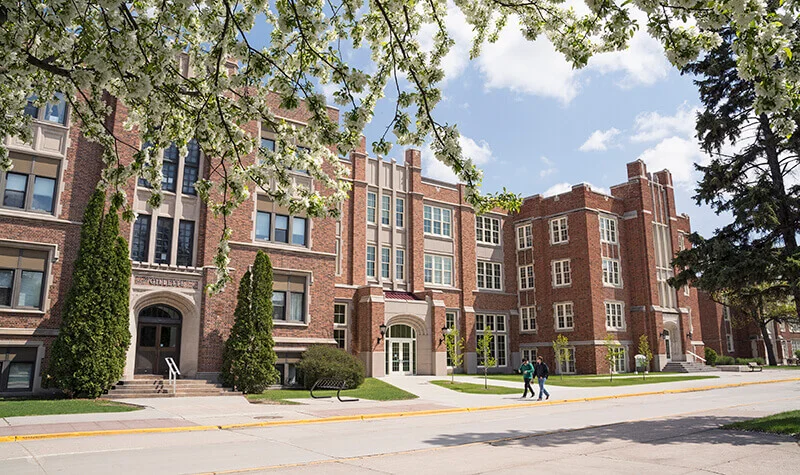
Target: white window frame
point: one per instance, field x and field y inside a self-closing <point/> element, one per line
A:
<point x="524" y="236"/>
<point x="386" y="262"/>
<point x="531" y="353"/>
<point x="567" y="366"/>
<point x="429" y="221"/>
<point x="527" y="319"/>
<point x="400" y="264"/>
<point x="611" y="273"/>
<point x="372" y="209"/>
<point x="681" y="242"/>
<point x="615" y="315"/>
<point x="620" y="364"/>
<point x="493" y="277"/>
<point x="399" y="213"/>
<point x="386" y="210"/>
<point x="487" y="230"/>
<point x="432" y="260"/>
<point x="449" y="324"/>
<point x="608" y="230"/>
<point x="728" y="327"/>
<point x="341" y="326"/>
<point x="559" y="230"/>
<point x="567" y="313"/>
<point x="373" y="261"/>
<point x="494" y="321"/>
<point x="561" y="272"/>
<point x="527" y="280"/>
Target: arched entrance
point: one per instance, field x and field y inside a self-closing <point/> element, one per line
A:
<point x="401" y="350"/>
<point x="159" y="337"/>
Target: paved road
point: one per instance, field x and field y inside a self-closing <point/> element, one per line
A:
<point x="672" y="434"/>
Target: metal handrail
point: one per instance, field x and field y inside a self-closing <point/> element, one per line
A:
<point x="174" y="372"/>
<point x="696" y="356"/>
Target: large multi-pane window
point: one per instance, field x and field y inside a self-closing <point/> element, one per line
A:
<point x="619" y="364"/>
<point x="31" y="185"/>
<point x="22" y="277"/>
<point x="726" y="320"/>
<point x="399" y="212"/>
<point x="399" y="264"/>
<point x="169" y="170"/>
<point x="450" y="323"/>
<point x="526" y="279"/>
<point x="608" y="230"/>
<point x="527" y="319"/>
<point x="371" y="258"/>
<point x="340" y="324"/>
<point x="386" y="210"/>
<point x="524" y="236"/>
<point x="529" y="354"/>
<point x="611" y="272"/>
<point x="437" y="221"/>
<point x="140" y="244"/>
<point x="386" y="254"/>
<point x="289" y="298"/>
<point x="299" y="231"/>
<point x="487" y="230"/>
<point x="372" y="203"/>
<point x="489" y="275"/>
<point x="565" y="319"/>
<point x="54" y="111"/>
<point x="562" y="275"/>
<point x="559" y="231"/>
<point x="498" y="344"/>
<point x="191" y="168"/>
<point x="277" y="227"/>
<point x="438" y="270"/>
<point x="615" y="319"/>
<point x="567" y="363"/>
<point x="185" y="243"/>
<point x="163" y="240"/>
<point x="171" y="166"/>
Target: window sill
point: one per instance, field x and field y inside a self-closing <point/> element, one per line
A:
<point x="566" y="286"/>
<point x="558" y="243"/>
<point x="529" y="332"/>
<point x="440" y="237"/>
<point x="565" y="329"/>
<point x="524" y="248"/>
<point x="439" y="286"/>
<point x="611" y="286"/>
<point x="26" y="311"/>
<point x="284" y="323"/>
<point x="488" y="244"/>
<point x="21" y="213"/>
<point x="617" y="330"/>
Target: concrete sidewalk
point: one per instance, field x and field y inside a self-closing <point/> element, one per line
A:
<point x="206" y="413"/>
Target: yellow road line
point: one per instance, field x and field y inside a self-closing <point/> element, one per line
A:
<point x="368" y="417"/>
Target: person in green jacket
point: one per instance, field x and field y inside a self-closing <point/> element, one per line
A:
<point x="527" y="374"/>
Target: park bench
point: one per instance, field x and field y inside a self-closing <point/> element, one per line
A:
<point x="754" y="366"/>
<point x="331" y="384"/>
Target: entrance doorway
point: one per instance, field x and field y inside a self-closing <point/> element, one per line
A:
<point x="158" y="337"/>
<point x="401" y="350"/>
<point x="667" y="344"/>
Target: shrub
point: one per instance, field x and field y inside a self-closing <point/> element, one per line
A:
<point x="797" y="354"/>
<point x="725" y="360"/>
<point x="744" y="361"/>
<point x="711" y="356"/>
<point x="330" y="362"/>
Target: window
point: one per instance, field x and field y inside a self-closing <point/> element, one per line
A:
<point x="564" y="316"/>
<point x="686" y="291"/>
<point x="56" y="112"/>
<point x="497" y="347"/>
<point x="191" y="168"/>
<point x="386" y="209"/>
<point x="449" y="322"/>
<point x="619" y="364"/>
<point x="268" y="144"/>
<point x="163" y="240"/>
<point x="438" y="270"/>
<point x="17" y="368"/>
<point x="340" y="335"/>
<point x="727" y="325"/>
<point x="386" y="254"/>
<point x="169" y="170"/>
<point x="299" y="231"/>
<point x="140" y="244"/>
<point x="22" y="277"/>
<point x="371" y="261"/>
<point x="170" y="165"/>
<point x="31" y="109"/>
<point x="524" y="236"/>
<point x="526" y="280"/>
<point x="681" y="242"/>
<point x="664" y="271"/>
<point x="289" y="298"/>
<point x="263" y="226"/>
<point x="614" y="317"/>
<point x="567" y="363"/>
<point x="489" y="275"/>
<point x="31" y="186"/>
<point x="611" y="272"/>
<point x="561" y="273"/>
<point x="185" y="242"/>
<point x="399" y="212"/>
<point x="339" y="314"/>
<point x="271" y="226"/>
<point x="529" y="353"/>
<point x="399" y="264"/>
<point x="527" y="318"/>
<point x="372" y="202"/>
<point x="281" y="228"/>
<point x="436" y="221"/>
<point x="487" y="230"/>
<point x="558" y="230"/>
<point x="608" y="230"/>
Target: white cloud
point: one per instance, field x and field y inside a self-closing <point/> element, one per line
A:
<point x="480" y="153"/>
<point x="652" y="126"/>
<point x="454" y="63"/>
<point x="549" y="170"/>
<point x="564" y="187"/>
<point x="599" y="140"/>
<point x="678" y="154"/>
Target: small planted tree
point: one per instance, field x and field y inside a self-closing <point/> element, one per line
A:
<point x="248" y="360"/>
<point x="455" y="351"/>
<point x="560" y="349"/>
<point x="644" y="350"/>
<point x="485" y="354"/>
<point x="612" y="347"/>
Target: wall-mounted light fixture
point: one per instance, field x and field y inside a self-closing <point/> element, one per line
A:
<point x="663" y="335"/>
<point x="445" y="331"/>
<point x="689" y="335"/>
<point x="383" y="332"/>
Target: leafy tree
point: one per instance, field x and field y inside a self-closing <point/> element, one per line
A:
<point x="455" y="350"/>
<point x="88" y="355"/>
<point x="612" y="347"/>
<point x="82" y="48"/>
<point x="561" y="351"/>
<point x="485" y="354"/>
<point x="644" y="350"/>
<point x="248" y="360"/>
<point x="711" y="356"/>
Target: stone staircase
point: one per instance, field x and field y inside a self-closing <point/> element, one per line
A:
<point x="157" y="386"/>
<point x="687" y="367"/>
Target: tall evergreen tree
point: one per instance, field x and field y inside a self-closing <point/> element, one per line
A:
<point x="248" y="360"/>
<point x="88" y="356"/>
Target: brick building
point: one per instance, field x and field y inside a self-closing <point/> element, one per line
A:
<point x="407" y="260"/>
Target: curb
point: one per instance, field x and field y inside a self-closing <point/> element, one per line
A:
<point x="368" y="417"/>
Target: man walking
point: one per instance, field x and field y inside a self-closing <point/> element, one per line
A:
<point x="527" y="374"/>
<point x="541" y="371"/>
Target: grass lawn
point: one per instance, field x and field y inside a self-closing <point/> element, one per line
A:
<point x="783" y="423"/>
<point x="596" y="381"/>
<point x="372" y="388"/>
<point x="781" y="367"/>
<point x="12" y="407"/>
<point x="470" y="388"/>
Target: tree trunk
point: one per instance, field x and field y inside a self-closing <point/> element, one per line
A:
<point x="768" y="342"/>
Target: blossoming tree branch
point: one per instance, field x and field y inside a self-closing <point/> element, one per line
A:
<point x="90" y="50"/>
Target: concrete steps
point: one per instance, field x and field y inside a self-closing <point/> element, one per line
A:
<point x="156" y="386"/>
<point x="687" y="367"/>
